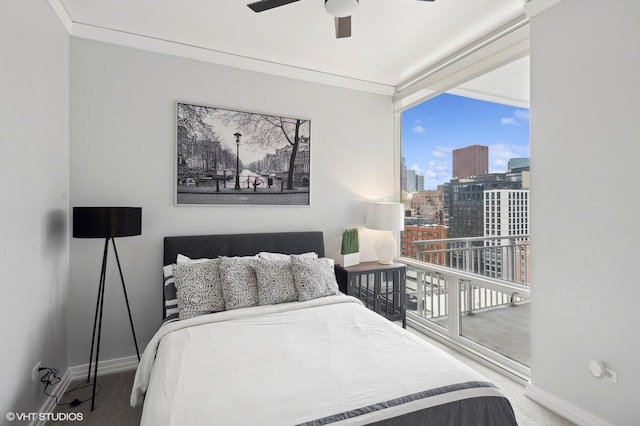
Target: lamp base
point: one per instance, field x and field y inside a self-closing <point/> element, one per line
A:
<point x="386" y="248"/>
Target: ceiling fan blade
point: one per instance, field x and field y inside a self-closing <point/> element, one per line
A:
<point x="343" y="27"/>
<point x="261" y="6"/>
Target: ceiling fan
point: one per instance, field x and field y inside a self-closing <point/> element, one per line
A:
<point x="340" y="9"/>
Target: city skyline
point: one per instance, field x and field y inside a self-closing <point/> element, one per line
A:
<point x="434" y="128"/>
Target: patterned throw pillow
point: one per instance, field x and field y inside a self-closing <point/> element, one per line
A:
<point x="275" y="282"/>
<point x="239" y="283"/>
<point x="313" y="278"/>
<point x="198" y="288"/>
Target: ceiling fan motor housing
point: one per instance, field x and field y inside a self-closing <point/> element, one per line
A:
<point x="340" y="8"/>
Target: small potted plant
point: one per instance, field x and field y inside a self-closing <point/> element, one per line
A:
<point x="350" y="249"/>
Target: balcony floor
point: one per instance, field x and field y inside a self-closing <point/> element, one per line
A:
<point x="504" y="329"/>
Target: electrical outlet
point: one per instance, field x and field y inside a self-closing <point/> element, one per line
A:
<point x="610" y="375"/>
<point x="34" y="372"/>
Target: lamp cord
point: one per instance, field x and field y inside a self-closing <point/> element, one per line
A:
<point x="51" y="378"/>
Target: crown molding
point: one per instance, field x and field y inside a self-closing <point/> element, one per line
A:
<point x="62" y="15"/>
<point x="167" y="47"/>
<point x="534" y="7"/>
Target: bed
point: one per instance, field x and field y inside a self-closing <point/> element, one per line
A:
<point x="320" y="359"/>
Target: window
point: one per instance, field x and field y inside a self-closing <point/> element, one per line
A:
<point x="486" y="142"/>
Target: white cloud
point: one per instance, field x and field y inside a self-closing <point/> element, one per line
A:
<point x="437" y="173"/>
<point x="501" y="153"/>
<point x="419" y="130"/>
<point x="522" y="114"/>
<point x="519" y="115"/>
<point x="438" y="154"/>
<point x="416" y="168"/>
<point x="508" y="121"/>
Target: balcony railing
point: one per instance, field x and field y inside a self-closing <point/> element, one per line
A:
<point x="506" y="258"/>
<point x="470" y="291"/>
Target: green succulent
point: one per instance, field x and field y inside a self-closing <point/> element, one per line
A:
<point x="350" y="241"/>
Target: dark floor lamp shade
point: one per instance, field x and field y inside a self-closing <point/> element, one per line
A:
<point x="106" y="222"/>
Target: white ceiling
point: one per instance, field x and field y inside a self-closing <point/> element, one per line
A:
<point x="392" y="40"/>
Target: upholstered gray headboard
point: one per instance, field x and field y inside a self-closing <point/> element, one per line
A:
<point x="212" y="246"/>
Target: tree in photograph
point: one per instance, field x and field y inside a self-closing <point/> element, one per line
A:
<point x="205" y="150"/>
<point x="192" y="118"/>
<point x="269" y="131"/>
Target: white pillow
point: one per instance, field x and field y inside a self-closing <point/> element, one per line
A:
<point x="280" y="256"/>
<point x="329" y="260"/>
<point x="182" y="260"/>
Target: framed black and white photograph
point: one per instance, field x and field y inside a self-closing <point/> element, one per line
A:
<point x="227" y="157"/>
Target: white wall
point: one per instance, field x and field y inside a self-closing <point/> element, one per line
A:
<point x="123" y="153"/>
<point x="585" y="59"/>
<point x="34" y="135"/>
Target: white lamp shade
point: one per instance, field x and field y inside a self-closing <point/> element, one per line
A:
<point x="385" y="216"/>
<point x="340" y="8"/>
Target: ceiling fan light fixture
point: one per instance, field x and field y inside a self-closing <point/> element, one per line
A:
<point x="340" y="8"/>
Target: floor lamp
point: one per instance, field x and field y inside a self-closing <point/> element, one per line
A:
<point x="107" y="223"/>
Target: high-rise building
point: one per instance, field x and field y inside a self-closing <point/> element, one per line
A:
<point x="419" y="183"/>
<point x="446" y="196"/>
<point x="520" y="174"/>
<point x="411" y="181"/>
<point x="517" y="163"/>
<point x="429" y="204"/>
<point x="506" y="214"/>
<point x="403" y="175"/>
<point x="470" y="161"/>
<point x="466" y="202"/>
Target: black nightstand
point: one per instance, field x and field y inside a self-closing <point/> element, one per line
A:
<point x="382" y="288"/>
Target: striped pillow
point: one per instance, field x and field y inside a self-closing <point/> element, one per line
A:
<point x="170" y="297"/>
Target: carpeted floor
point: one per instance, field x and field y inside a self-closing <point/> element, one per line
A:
<point x="112" y="402"/>
<point x="111" y="405"/>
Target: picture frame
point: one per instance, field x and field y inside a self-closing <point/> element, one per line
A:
<point x="229" y="157"/>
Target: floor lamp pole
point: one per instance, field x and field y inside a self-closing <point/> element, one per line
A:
<point x="126" y="299"/>
<point x="97" y="321"/>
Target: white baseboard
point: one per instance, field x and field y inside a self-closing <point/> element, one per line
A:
<point x="109" y="366"/>
<point x="75" y="372"/>
<point x="564" y="408"/>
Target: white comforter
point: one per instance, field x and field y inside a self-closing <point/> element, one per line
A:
<point x="289" y="364"/>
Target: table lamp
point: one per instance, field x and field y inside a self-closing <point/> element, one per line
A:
<point x="385" y="217"/>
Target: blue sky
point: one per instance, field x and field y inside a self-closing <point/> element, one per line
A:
<point x="433" y="129"/>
